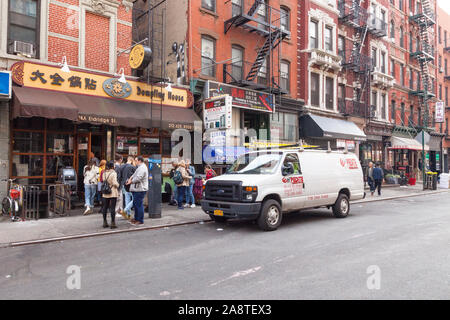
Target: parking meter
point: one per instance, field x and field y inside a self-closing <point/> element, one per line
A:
<point x="154" y="187"/>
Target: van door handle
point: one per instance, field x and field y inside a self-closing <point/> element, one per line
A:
<point x="304" y="185"/>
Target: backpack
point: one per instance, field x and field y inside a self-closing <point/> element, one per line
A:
<point x="106" y="188"/>
<point x="177" y="177"/>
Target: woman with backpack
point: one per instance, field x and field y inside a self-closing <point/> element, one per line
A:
<point x="110" y="193"/>
<point x="182" y="180"/>
<point x="90" y="174"/>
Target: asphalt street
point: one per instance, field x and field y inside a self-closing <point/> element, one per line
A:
<point x="404" y="243"/>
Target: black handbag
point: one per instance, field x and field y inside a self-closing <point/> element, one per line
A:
<point x="106" y="188"/>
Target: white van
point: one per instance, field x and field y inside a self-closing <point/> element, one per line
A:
<point x="264" y="184"/>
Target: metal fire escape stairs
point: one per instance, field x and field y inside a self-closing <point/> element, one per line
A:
<point x="425" y="20"/>
<point x="273" y="35"/>
<point x="355" y="16"/>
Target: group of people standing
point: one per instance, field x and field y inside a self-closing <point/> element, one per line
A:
<point x="182" y="174"/>
<point x="122" y="186"/>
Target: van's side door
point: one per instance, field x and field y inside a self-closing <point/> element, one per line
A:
<point x="292" y="184"/>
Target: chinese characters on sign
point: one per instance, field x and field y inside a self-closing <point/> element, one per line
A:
<point x="57" y="80"/>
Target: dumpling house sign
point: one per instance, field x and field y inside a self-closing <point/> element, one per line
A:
<point x="40" y="76"/>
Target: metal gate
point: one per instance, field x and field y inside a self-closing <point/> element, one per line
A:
<point x="58" y="200"/>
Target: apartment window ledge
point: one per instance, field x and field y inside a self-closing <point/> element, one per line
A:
<point x="211" y="13"/>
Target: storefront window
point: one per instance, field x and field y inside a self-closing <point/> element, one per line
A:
<point x="27" y="165"/>
<point x="60" y="125"/>
<point x="28" y="142"/>
<point x="59" y="143"/>
<point x="166" y="146"/>
<point x="54" y="163"/>
<point x="149" y="146"/>
<point x="127" y="145"/>
<point x="283" y="126"/>
<point x="29" y="123"/>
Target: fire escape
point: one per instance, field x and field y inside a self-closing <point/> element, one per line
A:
<point x="260" y="73"/>
<point x="424" y="55"/>
<point x="352" y="14"/>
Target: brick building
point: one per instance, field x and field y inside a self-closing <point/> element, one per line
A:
<point x="63" y="115"/>
<point x="246" y="49"/>
<point x="443" y="79"/>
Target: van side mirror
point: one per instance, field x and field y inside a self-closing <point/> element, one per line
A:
<point x="287" y="169"/>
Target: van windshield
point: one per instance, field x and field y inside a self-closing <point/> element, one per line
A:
<point x="255" y="163"/>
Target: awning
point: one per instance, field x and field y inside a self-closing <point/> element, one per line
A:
<point x="432" y="140"/>
<point x="323" y="127"/>
<point x="400" y="143"/>
<point x="43" y="103"/>
<point x="30" y="102"/>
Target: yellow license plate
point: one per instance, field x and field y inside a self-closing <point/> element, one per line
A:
<point x="218" y="213"/>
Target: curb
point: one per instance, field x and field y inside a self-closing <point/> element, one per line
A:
<point x="400" y="197"/>
<point x="98" y="234"/>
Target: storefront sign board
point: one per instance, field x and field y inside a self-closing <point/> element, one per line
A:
<point x="41" y="76"/>
<point x="242" y="97"/>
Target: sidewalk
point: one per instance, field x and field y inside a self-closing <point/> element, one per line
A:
<point x="77" y="225"/>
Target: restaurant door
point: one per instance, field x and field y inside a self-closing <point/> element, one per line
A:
<point x="88" y="144"/>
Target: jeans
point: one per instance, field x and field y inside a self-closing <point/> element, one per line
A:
<point x="128" y="198"/>
<point x="89" y="194"/>
<point x="173" y="197"/>
<point x="378" y="183"/>
<point x="138" y="203"/>
<point x="190" y="194"/>
<point x="181" y="193"/>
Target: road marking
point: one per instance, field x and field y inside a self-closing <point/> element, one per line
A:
<point x="238" y="274"/>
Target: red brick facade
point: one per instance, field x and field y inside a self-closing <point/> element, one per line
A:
<point x="65" y="38"/>
<point x="443" y="45"/>
<point x="203" y="22"/>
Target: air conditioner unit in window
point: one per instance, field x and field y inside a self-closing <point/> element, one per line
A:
<point x="441" y="70"/>
<point x="24" y="48"/>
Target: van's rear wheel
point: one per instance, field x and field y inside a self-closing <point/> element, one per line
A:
<point x="341" y="208"/>
<point x="270" y="216"/>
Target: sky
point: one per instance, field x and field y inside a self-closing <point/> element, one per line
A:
<point x="444" y="4"/>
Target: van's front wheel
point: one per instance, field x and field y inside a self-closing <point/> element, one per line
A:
<point x="341" y="208"/>
<point x="270" y="216"/>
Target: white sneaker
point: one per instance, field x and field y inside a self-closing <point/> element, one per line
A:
<point x="87" y="211"/>
<point x="186" y="205"/>
<point x="193" y="205"/>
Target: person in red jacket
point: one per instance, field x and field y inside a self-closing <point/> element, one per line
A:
<point x="210" y="173"/>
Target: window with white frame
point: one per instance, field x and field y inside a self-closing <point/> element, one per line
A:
<point x="329" y="93"/>
<point x="329" y="38"/>
<point x="313" y="34"/>
<point x="315" y="90"/>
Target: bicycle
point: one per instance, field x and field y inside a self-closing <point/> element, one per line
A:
<point x="10" y="204"/>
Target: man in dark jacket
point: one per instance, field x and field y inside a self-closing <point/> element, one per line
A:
<point x="378" y="177"/>
<point x="127" y="171"/>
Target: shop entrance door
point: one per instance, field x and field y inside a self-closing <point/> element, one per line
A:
<point x="88" y="144"/>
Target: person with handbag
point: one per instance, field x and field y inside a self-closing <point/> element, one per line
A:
<point x="110" y="193"/>
<point x="190" y="200"/>
<point x="182" y="180"/>
<point x="127" y="171"/>
<point x="90" y="173"/>
<point x="139" y="188"/>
